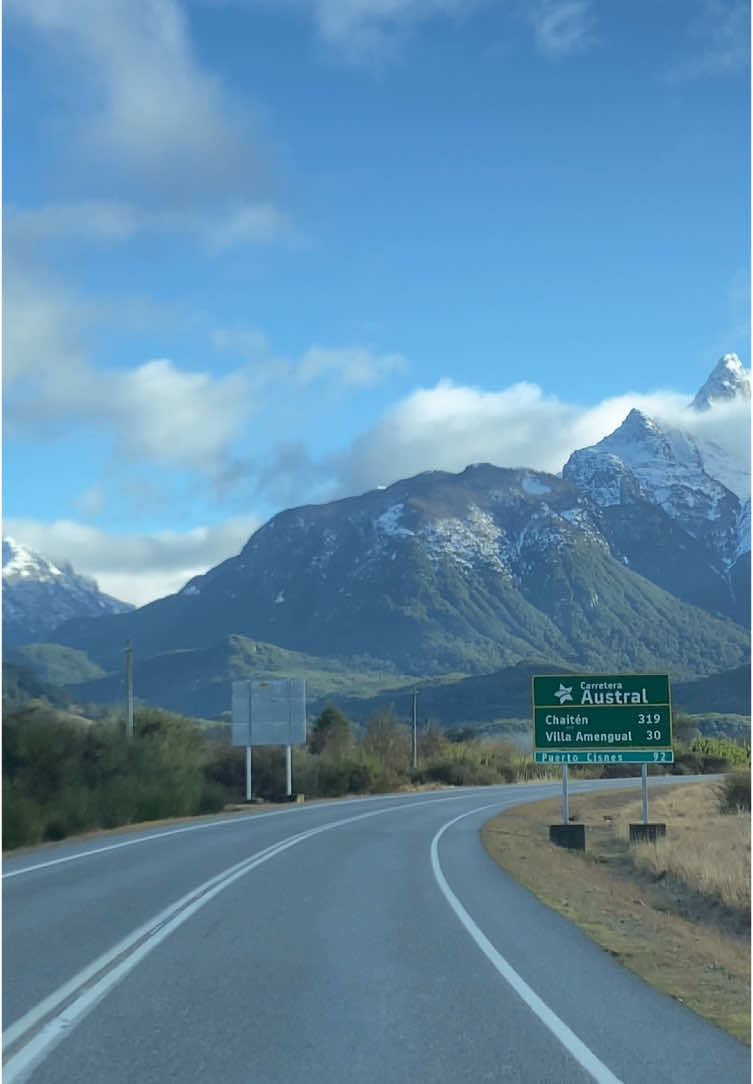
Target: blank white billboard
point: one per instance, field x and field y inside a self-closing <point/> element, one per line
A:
<point x="269" y="712"/>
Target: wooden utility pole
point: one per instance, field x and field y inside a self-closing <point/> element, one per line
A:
<point x="415" y="732"/>
<point x="129" y="689"/>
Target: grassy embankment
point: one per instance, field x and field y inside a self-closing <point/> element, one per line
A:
<point x="676" y="913"/>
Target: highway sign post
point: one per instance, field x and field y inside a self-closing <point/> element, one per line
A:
<point x="269" y="713"/>
<point x="602" y="719"/>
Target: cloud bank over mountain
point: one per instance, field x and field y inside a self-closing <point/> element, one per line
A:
<point x="441" y="428"/>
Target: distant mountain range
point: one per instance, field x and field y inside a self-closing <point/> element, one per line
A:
<point x="636" y="559"/>
<point x="198" y="683"/>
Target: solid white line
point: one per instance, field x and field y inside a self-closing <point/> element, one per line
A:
<point x="575" y="1046"/>
<point x="137" y="946"/>
<point x="127" y="843"/>
<point x="243" y="819"/>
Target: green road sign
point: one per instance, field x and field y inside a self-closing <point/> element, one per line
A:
<point x="585" y="715"/>
<point x="593" y="756"/>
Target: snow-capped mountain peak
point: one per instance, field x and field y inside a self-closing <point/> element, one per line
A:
<point x="20" y="562"/>
<point x="659" y="457"/>
<point x="728" y="380"/>
<point x="39" y="595"/>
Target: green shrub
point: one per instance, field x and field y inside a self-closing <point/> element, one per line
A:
<point x="23" y="820"/>
<point x="718" y="751"/>
<point x="734" y="793"/>
<point x="362" y="777"/>
<point x="305" y="772"/>
<point x="213" y="798"/>
<point x="334" y="777"/>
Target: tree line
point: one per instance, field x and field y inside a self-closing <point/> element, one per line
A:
<point x="64" y="775"/>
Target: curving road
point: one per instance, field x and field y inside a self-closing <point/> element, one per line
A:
<point x="365" y="940"/>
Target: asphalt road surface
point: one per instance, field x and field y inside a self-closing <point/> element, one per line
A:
<point x="358" y="941"/>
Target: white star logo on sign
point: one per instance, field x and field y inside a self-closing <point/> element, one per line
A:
<point x="565" y="692"/>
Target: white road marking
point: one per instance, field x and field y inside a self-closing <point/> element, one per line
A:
<point x="201" y="827"/>
<point x="79" y="996"/>
<point x="575" y="1046"/>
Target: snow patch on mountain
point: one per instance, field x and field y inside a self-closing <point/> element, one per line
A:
<point x="388" y="522"/>
<point x="465" y="541"/>
<point x="733" y="473"/>
<point x="743" y="530"/>
<point x="534" y="486"/>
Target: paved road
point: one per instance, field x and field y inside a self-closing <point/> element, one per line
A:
<point x="369" y="940"/>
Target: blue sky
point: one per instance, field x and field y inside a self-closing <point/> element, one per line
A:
<point x="267" y="253"/>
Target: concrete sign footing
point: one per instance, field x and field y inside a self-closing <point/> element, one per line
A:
<point x="572" y="836"/>
<point x="647" y="833"/>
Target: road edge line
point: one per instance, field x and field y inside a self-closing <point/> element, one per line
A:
<point x="564" y="1034"/>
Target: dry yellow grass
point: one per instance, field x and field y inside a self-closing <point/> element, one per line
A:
<point x="678" y="914"/>
<point x="707" y="853"/>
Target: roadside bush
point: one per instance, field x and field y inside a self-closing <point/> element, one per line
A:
<point x="734" y="793"/>
<point x="213" y="798"/>
<point x="224" y="766"/>
<point x="363" y="776"/>
<point x="389" y="741"/>
<point x="74" y="810"/>
<point x="305" y="772"/>
<point x="464" y="772"/>
<point x="61" y="777"/>
<point x="716" y="752"/>
<point x="334" y="777"/>
<point x="23" y="821"/>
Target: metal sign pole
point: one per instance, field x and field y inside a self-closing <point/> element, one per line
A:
<point x="565" y="811"/>
<point x="644" y="791"/>
<point x="288" y="771"/>
<point x="248" y="773"/>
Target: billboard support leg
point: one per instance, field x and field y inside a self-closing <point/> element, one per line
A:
<point x="565" y="811"/>
<point x="644" y="791"/>
<point x="248" y="773"/>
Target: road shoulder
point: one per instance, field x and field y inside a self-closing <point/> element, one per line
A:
<point x="683" y="944"/>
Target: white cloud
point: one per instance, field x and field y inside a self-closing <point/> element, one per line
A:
<point x="170" y="416"/>
<point x="246" y="341"/>
<point x="147" y="106"/>
<point x="371" y="29"/>
<point x="96" y="220"/>
<point x="134" y="568"/>
<point x="561" y="27"/>
<point x="154" y="411"/>
<point x="260" y="223"/>
<point x="356" y="366"/>
<point x="448" y="426"/>
<point x="108" y="221"/>
<point x="145" y="120"/>
<point x="720" y="32"/>
<point x="92" y="501"/>
<point x="42" y="326"/>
